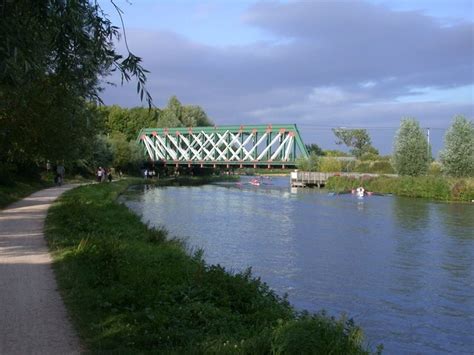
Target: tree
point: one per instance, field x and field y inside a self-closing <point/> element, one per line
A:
<point x="177" y="115"/>
<point x="194" y="116"/>
<point x="358" y="139"/>
<point x="53" y="56"/>
<point x="314" y="148"/>
<point x="127" y="155"/>
<point x="457" y="156"/>
<point x="411" y="153"/>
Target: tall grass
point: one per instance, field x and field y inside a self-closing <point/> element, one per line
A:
<point x="432" y="187"/>
<point x="130" y="289"/>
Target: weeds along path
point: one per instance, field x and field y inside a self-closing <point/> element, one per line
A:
<point x="33" y="319"/>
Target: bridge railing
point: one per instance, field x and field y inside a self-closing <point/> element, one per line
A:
<point x="272" y="145"/>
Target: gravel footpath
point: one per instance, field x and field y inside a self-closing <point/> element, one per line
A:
<point x="33" y="319"/>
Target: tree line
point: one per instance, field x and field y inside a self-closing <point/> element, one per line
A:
<point x="55" y="57"/>
<point x="116" y="139"/>
<point x="411" y="155"/>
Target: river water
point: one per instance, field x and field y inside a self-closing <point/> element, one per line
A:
<point x="402" y="268"/>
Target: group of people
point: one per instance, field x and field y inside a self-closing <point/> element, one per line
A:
<point x="149" y="173"/>
<point x="103" y="174"/>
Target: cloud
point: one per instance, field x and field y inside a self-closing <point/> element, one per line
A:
<point x="330" y="63"/>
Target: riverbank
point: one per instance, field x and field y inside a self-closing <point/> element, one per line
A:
<point x="431" y="187"/>
<point x="130" y="289"/>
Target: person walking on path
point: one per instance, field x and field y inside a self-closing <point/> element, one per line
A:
<point x="33" y="319"/>
<point x="60" y="172"/>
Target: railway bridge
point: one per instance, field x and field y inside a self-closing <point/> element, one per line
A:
<point x="272" y="146"/>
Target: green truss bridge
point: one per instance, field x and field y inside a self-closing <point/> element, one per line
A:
<point x="243" y="146"/>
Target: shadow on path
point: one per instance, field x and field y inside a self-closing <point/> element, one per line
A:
<point x="33" y="317"/>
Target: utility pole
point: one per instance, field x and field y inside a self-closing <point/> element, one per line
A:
<point x="428" y="138"/>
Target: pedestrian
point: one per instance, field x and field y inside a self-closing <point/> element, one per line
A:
<point x="109" y="175"/>
<point x="60" y="172"/>
<point x="103" y="175"/>
<point x="99" y="174"/>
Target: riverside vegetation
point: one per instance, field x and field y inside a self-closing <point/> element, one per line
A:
<point x="14" y="191"/>
<point x="433" y="187"/>
<point x="450" y="179"/>
<point x="132" y="289"/>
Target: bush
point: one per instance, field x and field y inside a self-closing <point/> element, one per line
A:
<point x="328" y="165"/>
<point x="369" y="156"/>
<point x="435" y="168"/>
<point x="335" y="153"/>
<point x="310" y="164"/>
<point x="362" y="167"/>
<point x="348" y="166"/>
<point x="318" y="334"/>
<point x="382" y="167"/>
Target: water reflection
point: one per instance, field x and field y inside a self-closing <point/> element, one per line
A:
<point x="403" y="268"/>
<point x="411" y="214"/>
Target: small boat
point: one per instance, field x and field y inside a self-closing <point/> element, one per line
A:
<point x="359" y="192"/>
<point x="254" y="182"/>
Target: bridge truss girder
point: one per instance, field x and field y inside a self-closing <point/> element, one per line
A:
<point x="255" y="145"/>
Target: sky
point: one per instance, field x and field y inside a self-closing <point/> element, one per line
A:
<point x="319" y="64"/>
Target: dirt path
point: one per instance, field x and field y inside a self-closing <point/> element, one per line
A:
<point x="33" y="319"/>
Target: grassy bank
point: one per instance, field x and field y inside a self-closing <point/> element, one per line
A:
<point x="432" y="187"/>
<point x="14" y="191"/>
<point x="131" y="290"/>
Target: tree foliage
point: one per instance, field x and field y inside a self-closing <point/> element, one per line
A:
<point x="411" y="153"/>
<point x="177" y="115"/>
<point x="457" y="156"/>
<point x="357" y="139"/>
<point x="131" y="121"/>
<point x="309" y="164"/>
<point x="314" y="148"/>
<point x="53" y="56"/>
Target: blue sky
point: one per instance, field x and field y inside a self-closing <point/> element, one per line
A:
<point x="319" y="64"/>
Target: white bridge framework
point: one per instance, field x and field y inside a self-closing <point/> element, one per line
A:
<point x="241" y="145"/>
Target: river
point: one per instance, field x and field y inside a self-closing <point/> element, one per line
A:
<point x="402" y="268"/>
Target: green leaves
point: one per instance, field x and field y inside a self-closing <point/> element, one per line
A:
<point x="411" y="153"/>
<point x="358" y="139"/>
<point x="54" y="54"/>
<point x="458" y="154"/>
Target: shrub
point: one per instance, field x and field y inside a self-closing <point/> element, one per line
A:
<point x="336" y="153"/>
<point x="382" y="167"/>
<point x="435" y="168"/>
<point x="369" y="156"/>
<point x="312" y="163"/>
<point x="318" y="334"/>
<point x="362" y="167"/>
<point x="348" y="165"/>
<point x="328" y="165"/>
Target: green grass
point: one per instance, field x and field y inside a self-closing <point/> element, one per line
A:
<point x="431" y="187"/>
<point x="14" y="191"/>
<point x="129" y="289"/>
